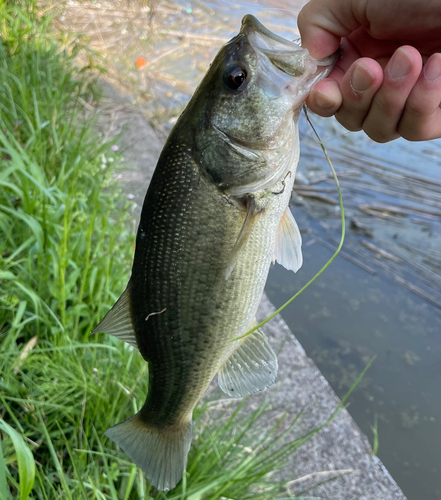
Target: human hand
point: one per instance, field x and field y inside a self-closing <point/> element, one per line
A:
<point x="380" y="85"/>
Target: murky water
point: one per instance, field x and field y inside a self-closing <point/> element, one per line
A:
<point x="382" y="296"/>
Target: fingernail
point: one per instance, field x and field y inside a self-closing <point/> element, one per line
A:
<point x="432" y="68"/>
<point x="362" y="78"/>
<point x="400" y="64"/>
<point x="323" y="101"/>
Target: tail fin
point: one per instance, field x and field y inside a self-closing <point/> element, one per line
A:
<point x="160" y="452"/>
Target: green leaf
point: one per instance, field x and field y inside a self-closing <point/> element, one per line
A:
<point x="3" y="488"/>
<point x="25" y="460"/>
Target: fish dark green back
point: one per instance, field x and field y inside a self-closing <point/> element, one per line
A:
<point x="215" y="215"/>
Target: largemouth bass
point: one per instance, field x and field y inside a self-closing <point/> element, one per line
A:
<point x="215" y="215"/>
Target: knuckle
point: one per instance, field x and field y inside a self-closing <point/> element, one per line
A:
<point x="415" y="108"/>
<point x="378" y="29"/>
<point x="387" y="107"/>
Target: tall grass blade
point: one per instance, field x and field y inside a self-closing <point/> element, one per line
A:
<point x="3" y="471"/>
<point x="24" y="458"/>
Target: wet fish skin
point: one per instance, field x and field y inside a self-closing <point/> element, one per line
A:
<point x="215" y="214"/>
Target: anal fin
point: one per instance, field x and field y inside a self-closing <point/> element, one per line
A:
<point x="250" y="368"/>
<point x="118" y="321"/>
<point x="288" y="249"/>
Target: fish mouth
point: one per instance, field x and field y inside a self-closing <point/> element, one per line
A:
<point x="251" y="25"/>
<point x="288" y="57"/>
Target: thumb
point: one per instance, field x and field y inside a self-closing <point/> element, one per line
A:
<point x="322" y="23"/>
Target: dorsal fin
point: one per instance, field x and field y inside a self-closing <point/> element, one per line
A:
<point x="288" y="249"/>
<point x="250" y="368"/>
<point x="118" y="321"/>
<point x="250" y="219"/>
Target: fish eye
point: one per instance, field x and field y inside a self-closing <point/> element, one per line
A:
<point x="234" y="76"/>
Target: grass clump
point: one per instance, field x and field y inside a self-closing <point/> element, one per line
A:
<point x="61" y="245"/>
<point x="66" y="241"/>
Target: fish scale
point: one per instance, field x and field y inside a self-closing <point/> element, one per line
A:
<point x="215" y="215"/>
<point x="224" y="307"/>
<point x="177" y="395"/>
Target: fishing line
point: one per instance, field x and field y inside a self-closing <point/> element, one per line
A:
<point x="343" y="232"/>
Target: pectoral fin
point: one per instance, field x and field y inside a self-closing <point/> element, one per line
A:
<point x="118" y="321"/>
<point x="288" y="250"/>
<point x="250" y="220"/>
<point x="251" y="367"/>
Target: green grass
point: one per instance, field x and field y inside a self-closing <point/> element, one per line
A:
<point x="66" y="244"/>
